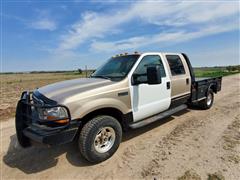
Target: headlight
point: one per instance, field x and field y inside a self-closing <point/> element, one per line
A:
<point x="53" y="114"/>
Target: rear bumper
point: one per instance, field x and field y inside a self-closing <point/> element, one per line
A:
<point x="29" y="128"/>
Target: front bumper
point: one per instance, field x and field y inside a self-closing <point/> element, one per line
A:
<point x="29" y="128"/>
<point x="54" y="137"/>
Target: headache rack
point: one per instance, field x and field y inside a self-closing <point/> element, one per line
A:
<point x="27" y="112"/>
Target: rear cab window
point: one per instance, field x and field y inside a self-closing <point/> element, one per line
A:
<point x="175" y="64"/>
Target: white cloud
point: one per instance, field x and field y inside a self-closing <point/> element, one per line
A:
<point x="184" y="13"/>
<point x="92" y="25"/>
<point x="162" y="39"/>
<point x="42" y="21"/>
<point x="44" y="24"/>
<point x="185" y="21"/>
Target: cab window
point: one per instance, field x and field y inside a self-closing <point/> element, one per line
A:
<point x="175" y="64"/>
<point x="141" y="70"/>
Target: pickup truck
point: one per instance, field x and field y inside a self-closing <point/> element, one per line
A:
<point x="127" y="92"/>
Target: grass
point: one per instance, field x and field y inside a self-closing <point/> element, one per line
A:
<point x="190" y="175"/>
<point x="212" y="73"/>
<point x="216" y="176"/>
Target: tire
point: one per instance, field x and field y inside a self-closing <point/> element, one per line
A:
<point x="92" y="138"/>
<point x="208" y="102"/>
<point x="20" y="126"/>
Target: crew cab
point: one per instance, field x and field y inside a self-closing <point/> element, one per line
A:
<point x="127" y="92"/>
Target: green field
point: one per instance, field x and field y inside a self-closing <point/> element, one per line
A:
<point x="215" y="71"/>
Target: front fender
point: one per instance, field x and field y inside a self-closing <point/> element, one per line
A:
<point x="88" y="107"/>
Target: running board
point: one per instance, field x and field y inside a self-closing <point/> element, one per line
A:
<point x="160" y="116"/>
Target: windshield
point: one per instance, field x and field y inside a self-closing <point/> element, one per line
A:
<point x="116" y="68"/>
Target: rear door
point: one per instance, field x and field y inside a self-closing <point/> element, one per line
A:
<point x="180" y="77"/>
<point x="148" y="100"/>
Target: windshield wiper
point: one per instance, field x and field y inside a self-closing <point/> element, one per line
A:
<point x="101" y="76"/>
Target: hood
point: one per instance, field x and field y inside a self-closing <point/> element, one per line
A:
<point x="64" y="89"/>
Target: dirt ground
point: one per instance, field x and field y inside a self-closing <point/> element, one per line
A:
<point x="12" y="86"/>
<point x="193" y="144"/>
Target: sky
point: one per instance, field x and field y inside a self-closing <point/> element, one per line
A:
<point x="64" y="35"/>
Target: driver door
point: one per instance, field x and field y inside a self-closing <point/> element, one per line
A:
<point x="148" y="100"/>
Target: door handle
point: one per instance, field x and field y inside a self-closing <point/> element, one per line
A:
<point x="168" y="85"/>
<point x="187" y="81"/>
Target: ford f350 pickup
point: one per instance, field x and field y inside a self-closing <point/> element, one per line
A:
<point x="129" y="91"/>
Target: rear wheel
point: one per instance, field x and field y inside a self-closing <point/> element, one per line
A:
<point x="208" y="102"/>
<point x="100" y="138"/>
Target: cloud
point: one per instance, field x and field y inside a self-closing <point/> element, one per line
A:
<point x="17" y="18"/>
<point x="183" y="12"/>
<point x="185" y="21"/>
<point x="162" y="39"/>
<point x="92" y="25"/>
<point x="44" y="24"/>
<point x="42" y="21"/>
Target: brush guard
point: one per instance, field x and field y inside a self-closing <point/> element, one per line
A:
<point x="30" y="127"/>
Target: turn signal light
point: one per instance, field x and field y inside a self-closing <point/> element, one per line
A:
<point x="63" y="121"/>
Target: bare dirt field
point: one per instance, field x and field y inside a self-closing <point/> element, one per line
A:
<point x="12" y="85"/>
<point x="194" y="144"/>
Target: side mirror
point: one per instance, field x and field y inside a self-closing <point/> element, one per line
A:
<point x="154" y="75"/>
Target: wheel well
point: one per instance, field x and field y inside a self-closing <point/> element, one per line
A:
<point x="104" y="111"/>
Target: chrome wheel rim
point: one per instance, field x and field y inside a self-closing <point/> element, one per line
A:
<point x="209" y="99"/>
<point x="104" y="139"/>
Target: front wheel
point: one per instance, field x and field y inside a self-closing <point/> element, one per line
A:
<point x="100" y="138"/>
<point x="208" y="101"/>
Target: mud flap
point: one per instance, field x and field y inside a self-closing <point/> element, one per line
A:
<point x="20" y="125"/>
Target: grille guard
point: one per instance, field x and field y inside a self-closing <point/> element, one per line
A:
<point x="27" y="102"/>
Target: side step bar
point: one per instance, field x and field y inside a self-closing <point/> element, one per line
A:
<point x="160" y="116"/>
